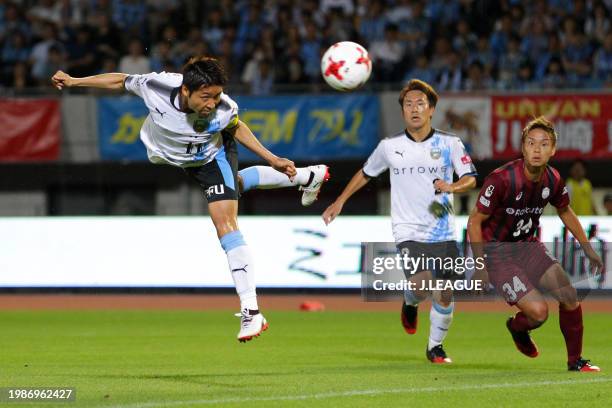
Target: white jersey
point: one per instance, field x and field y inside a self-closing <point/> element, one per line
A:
<point x="175" y="137"/>
<point x="417" y="212"/>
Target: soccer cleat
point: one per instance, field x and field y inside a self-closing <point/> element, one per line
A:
<point x="320" y="174"/>
<point x="583" y="365"/>
<point x="437" y="355"/>
<point x="410" y="318"/>
<point x="523" y="341"/>
<point x="251" y="325"/>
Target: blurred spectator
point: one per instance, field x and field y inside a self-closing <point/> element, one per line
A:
<point x="81" y="55"/>
<point x="607" y="203"/>
<point x="129" y="16"/>
<point x="263" y="79"/>
<point x="598" y="24"/>
<point x="510" y="62"/>
<point x="552" y="52"/>
<point x="602" y="63"/>
<point x="477" y="79"/>
<point x="212" y="30"/>
<point x="13" y="22"/>
<point x="21" y="78"/>
<point x="465" y="40"/>
<point x="15" y="50"/>
<point x="576" y="58"/>
<point x="135" y="62"/>
<point x="501" y="36"/>
<point x="372" y="24"/>
<point x="310" y="52"/>
<point x="580" y="189"/>
<point x="524" y="80"/>
<point x="535" y="42"/>
<point x="415" y="31"/>
<point x="401" y="11"/>
<point x="346" y="6"/>
<point x="451" y="75"/>
<point x="483" y="54"/>
<point x="387" y="55"/>
<point x="421" y="71"/>
<point x="108" y="40"/>
<point x="554" y="78"/>
<point x="443" y="11"/>
<point x="40" y="52"/>
<point x="56" y="60"/>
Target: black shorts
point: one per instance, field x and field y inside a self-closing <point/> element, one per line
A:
<point x="219" y="177"/>
<point x="436" y="257"/>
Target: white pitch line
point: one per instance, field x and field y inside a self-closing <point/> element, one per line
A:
<point x="358" y="393"/>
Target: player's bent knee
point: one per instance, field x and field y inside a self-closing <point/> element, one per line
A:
<point x="568" y="298"/>
<point x="537" y="313"/>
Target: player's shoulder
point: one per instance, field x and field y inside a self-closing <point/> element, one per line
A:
<point x="162" y="81"/>
<point x="445" y="134"/>
<point x="395" y="136"/>
<point x="227" y="102"/>
<point x="502" y="173"/>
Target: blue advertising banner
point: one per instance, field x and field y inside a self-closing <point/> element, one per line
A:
<point x="307" y="128"/>
<point x="119" y="122"/>
<point x="312" y="127"/>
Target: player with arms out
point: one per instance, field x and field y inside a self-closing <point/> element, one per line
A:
<point x="421" y="161"/>
<point x="194" y="125"/>
<point x="502" y="226"/>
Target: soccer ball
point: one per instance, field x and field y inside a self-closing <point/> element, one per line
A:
<point x="346" y="66"/>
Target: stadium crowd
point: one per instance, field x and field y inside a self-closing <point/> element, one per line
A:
<point x="456" y="45"/>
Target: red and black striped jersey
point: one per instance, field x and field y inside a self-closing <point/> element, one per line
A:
<point x="516" y="203"/>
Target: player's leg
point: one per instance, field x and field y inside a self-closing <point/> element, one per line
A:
<point x="556" y="282"/>
<point x="310" y="179"/>
<point x="508" y="276"/>
<point x="409" y="315"/>
<point x="442" y="304"/>
<point x="533" y="312"/>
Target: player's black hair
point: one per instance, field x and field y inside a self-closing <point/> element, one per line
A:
<point x="203" y="71"/>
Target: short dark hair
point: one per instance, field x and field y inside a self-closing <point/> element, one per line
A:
<point x="203" y="71"/>
<point x="418" y="85"/>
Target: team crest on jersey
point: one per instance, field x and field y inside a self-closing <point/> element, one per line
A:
<point x="435" y="153"/>
<point x="200" y="124"/>
<point x="489" y="191"/>
<point x="545" y="192"/>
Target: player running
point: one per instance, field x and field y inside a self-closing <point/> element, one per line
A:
<point x="194" y="125"/>
<point x="421" y="161"/>
<point x="505" y="219"/>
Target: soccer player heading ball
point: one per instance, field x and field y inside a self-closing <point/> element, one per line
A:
<point x="194" y="125"/>
<point x="503" y="225"/>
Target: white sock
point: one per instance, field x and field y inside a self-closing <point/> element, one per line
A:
<point x="440" y="319"/>
<point x="265" y="177"/>
<point x="242" y="269"/>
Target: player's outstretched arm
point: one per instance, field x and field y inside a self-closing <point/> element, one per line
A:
<point x="243" y="134"/>
<point x="464" y="184"/>
<point x="474" y="230"/>
<point x="113" y="80"/>
<point x="357" y="182"/>
<point x="569" y="218"/>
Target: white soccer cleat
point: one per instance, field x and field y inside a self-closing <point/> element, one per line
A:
<point x="311" y="191"/>
<point x="251" y="325"/>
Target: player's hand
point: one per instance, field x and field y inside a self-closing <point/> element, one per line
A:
<point x="61" y="80"/>
<point x="443" y="186"/>
<point x="285" y="166"/>
<point x="332" y="212"/>
<point x="595" y="261"/>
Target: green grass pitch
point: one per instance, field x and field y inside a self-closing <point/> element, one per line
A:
<point x="354" y="359"/>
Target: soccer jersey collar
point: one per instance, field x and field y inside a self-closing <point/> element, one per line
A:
<point x="409" y="136"/>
